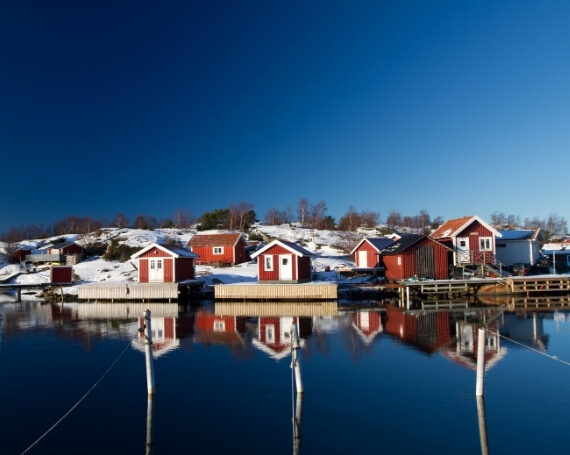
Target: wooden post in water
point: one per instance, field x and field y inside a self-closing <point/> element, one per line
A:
<point x="297" y="424"/>
<point x="148" y="354"/>
<point x="480" y="363"/>
<point x="482" y="419"/>
<point x="294" y="358"/>
<point x="148" y="450"/>
<point x="407" y="297"/>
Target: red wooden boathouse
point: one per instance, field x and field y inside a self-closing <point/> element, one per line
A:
<point x="415" y="255"/>
<point x="472" y="239"/>
<point x="221" y="248"/>
<point x="282" y="261"/>
<point x="164" y="264"/>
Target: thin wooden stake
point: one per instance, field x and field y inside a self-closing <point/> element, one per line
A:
<point x="479" y="387"/>
<point x="148" y="354"/>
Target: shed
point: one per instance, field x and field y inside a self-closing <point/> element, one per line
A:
<point x="220" y="248"/>
<point x="415" y="255"/>
<point x="164" y="264"/>
<point x="519" y="247"/>
<point x="471" y="239"/>
<point x="282" y="261"/>
<point x="61" y="274"/>
<point x="367" y="252"/>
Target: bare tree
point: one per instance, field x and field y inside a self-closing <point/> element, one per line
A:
<point x="120" y="221"/>
<point x="302" y="210"/>
<point x="394" y="219"/>
<point x="183" y="219"/>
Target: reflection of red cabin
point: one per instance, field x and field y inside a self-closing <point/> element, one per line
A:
<point x="415" y="255"/>
<point x="367" y="252"/>
<point x="464" y="351"/>
<point x="368" y="324"/>
<point x="166" y="332"/>
<point x="283" y="261"/>
<point x="427" y="331"/>
<point x="274" y="336"/>
<point x="227" y="248"/>
<point x="471" y="238"/>
<point x="164" y="264"/>
<point x="216" y="329"/>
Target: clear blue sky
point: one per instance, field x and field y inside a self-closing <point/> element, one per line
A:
<point x="456" y="107"/>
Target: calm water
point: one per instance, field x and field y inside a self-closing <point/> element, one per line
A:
<point x="376" y="380"/>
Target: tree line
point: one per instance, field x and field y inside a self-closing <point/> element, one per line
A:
<point x="241" y="216"/>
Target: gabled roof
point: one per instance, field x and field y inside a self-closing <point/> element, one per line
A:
<point x="521" y="234"/>
<point x="378" y="243"/>
<point x="292" y="247"/>
<point x="452" y="228"/>
<point x="174" y="251"/>
<point x="226" y="238"/>
<point x="58" y="246"/>
<point x="404" y="243"/>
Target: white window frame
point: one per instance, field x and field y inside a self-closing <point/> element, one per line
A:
<point x="218" y="250"/>
<point x="270" y="333"/>
<point x="399" y="260"/>
<point x="485" y="243"/>
<point x="268" y="263"/>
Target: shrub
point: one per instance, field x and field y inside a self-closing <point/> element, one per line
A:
<point x="119" y="251"/>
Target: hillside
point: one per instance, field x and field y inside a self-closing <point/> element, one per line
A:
<point x="329" y="246"/>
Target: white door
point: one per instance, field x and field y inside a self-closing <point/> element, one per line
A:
<point x="285" y="266"/>
<point x="363" y="259"/>
<point x="463" y="249"/>
<point x="155" y="270"/>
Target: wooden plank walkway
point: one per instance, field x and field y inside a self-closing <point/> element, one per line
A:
<point x="280" y="308"/>
<point x="128" y="291"/>
<point x="276" y="291"/>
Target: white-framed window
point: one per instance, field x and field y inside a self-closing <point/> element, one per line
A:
<point x="399" y="260"/>
<point x="219" y="326"/>
<point x="152" y="264"/>
<point x="485" y="244"/>
<point x="268" y="262"/>
<point x="218" y="250"/>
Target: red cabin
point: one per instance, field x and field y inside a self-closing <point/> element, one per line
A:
<point x="164" y="264"/>
<point x="282" y="261"/>
<point x="227" y="248"/>
<point x="367" y="252"/>
<point x="61" y="275"/>
<point x="68" y="249"/>
<point x="472" y="240"/>
<point x="415" y="255"/>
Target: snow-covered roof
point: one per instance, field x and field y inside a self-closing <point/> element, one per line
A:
<point x="519" y="234"/>
<point x="292" y="247"/>
<point x="174" y="251"/>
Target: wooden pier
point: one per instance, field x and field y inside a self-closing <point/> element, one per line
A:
<point x="144" y="292"/>
<point x="525" y="285"/>
<point x="276" y="291"/>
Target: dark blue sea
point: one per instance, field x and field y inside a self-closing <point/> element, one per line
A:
<point x="376" y="379"/>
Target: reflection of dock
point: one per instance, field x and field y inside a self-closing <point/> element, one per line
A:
<point x="276" y="291"/>
<point x="329" y="308"/>
<point x="523" y="303"/>
<point x="125" y="310"/>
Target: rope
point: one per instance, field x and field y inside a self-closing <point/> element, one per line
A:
<point x="85" y="395"/>
<point x="553" y="357"/>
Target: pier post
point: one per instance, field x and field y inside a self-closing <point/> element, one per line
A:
<point x="480" y="363"/>
<point x="407" y="297"/>
<point x="149" y="411"/>
<point x="294" y="358"/>
<point x="148" y="354"/>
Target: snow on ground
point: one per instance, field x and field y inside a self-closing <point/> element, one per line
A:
<point x="326" y="245"/>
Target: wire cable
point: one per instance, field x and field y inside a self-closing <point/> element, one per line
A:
<point x="553" y="357"/>
<point x="85" y="395"/>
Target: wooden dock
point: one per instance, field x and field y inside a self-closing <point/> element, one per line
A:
<point x="277" y="309"/>
<point x="144" y="292"/>
<point x="524" y="285"/>
<point x="276" y="291"/>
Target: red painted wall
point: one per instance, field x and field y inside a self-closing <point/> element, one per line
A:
<point x="63" y="274"/>
<point x="143" y="271"/>
<point x="371" y="253"/>
<point x="155" y="253"/>
<point x="231" y="255"/>
<point x="273" y="275"/>
<point x="168" y="265"/>
<point x="408" y="262"/>
<point x="474" y="231"/>
<point x="184" y="269"/>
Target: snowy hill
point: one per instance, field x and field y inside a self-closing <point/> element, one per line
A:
<point x="329" y="247"/>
